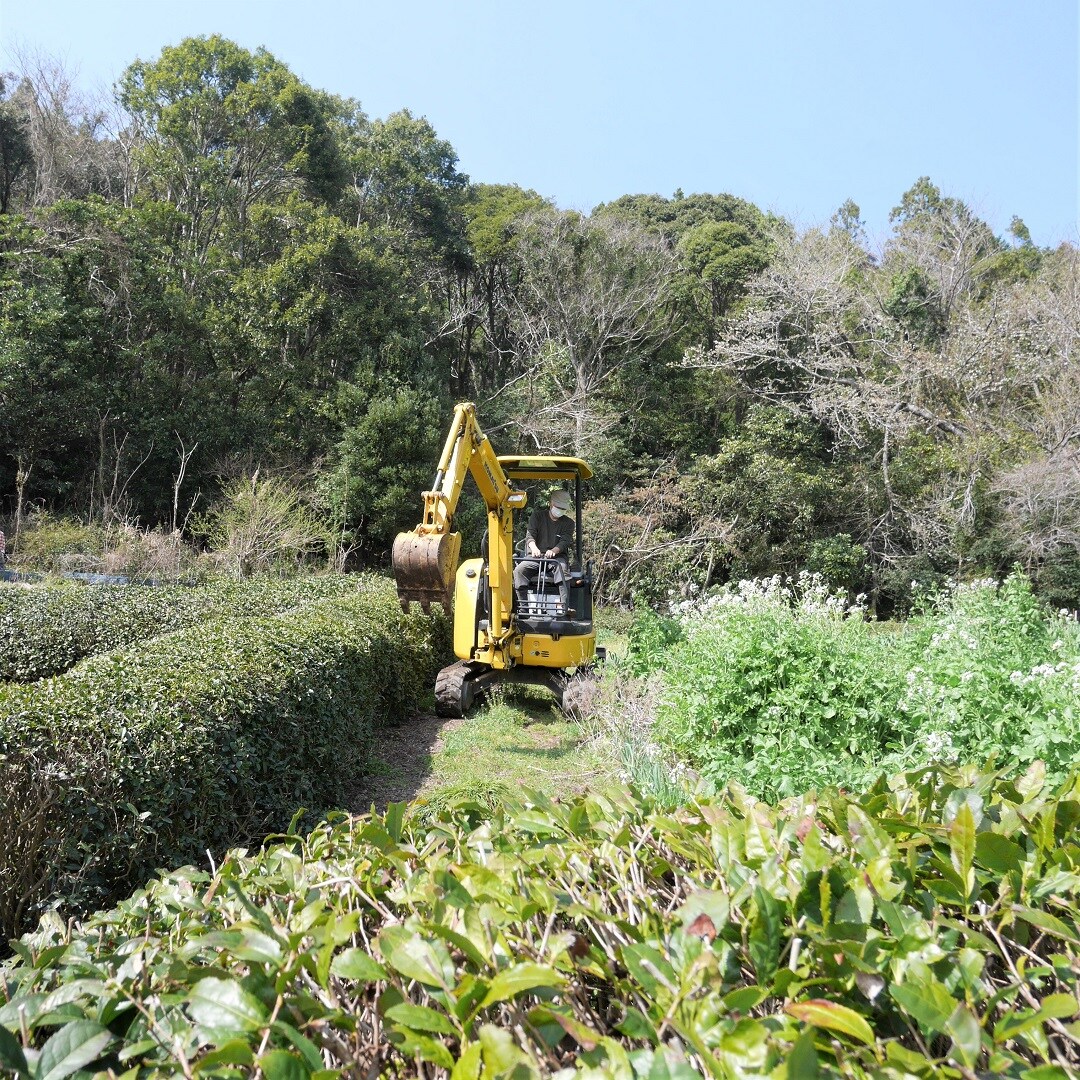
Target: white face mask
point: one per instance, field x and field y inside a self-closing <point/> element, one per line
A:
<point x="557" y="512"/>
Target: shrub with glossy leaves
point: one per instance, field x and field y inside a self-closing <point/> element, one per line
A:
<point x="927" y="929"/>
<point x="202" y="738"/>
<point x="46" y="629"/>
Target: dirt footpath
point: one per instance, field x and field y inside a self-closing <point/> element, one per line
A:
<point x="400" y="762"/>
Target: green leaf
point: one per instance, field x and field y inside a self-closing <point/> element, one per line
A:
<point x="136" y="1049"/>
<point x="1052" y="1007"/>
<point x="394" y="819"/>
<point x="413" y="956"/>
<point x="1013" y="1024"/>
<point x="11" y="1053"/>
<point x="745" y="998"/>
<point x="962" y="844"/>
<point x="517" y="979"/>
<point x="1058" y="1006"/>
<point x="357" y="965"/>
<point x="966" y="1034"/>
<point x="802" y="1062"/>
<point x="308" y="1050"/>
<point x="1033" y="781"/>
<point x="410" y="1044"/>
<point x="827" y="1014"/>
<point x="234" y="1052"/>
<point x="502" y="1054"/>
<point x="636" y="1025"/>
<point x="764" y="940"/>
<point x="420" y="1018"/>
<point x="223" y="1009"/>
<point x="924" y="998"/>
<point x="247" y="944"/>
<point x="1045" y="921"/>
<point x="998" y="853"/>
<point x="283" y="1065"/>
<point x="73" y="1046"/>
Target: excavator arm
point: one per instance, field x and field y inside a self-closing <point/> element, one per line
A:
<point x="426" y="558"/>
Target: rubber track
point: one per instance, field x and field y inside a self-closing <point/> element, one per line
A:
<point x="577" y="694"/>
<point x="450" y="685"/>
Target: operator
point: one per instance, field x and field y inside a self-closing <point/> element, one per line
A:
<point x="550" y="536"/>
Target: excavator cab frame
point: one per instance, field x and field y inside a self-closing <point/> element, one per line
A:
<point x="493" y="640"/>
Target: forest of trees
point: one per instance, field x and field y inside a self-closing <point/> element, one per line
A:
<point x="224" y="270"/>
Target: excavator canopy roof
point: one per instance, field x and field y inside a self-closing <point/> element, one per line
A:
<point x="518" y="467"/>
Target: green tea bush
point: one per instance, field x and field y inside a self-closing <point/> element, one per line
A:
<point x="44" y="630"/>
<point x="199" y="739"/>
<point x="927" y="929"/>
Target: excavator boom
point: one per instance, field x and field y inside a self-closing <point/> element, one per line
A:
<point x="426" y="558"/>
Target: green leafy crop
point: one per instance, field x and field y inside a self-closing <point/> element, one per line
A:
<point x="46" y="630"/>
<point x="199" y="739"/>
<point x="925" y="929"/>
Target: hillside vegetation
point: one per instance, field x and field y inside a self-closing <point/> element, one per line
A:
<point x="249" y="278"/>
<point x="232" y="330"/>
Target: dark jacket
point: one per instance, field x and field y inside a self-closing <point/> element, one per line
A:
<point x="547" y="534"/>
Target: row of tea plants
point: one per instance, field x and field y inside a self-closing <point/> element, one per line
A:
<point x="198" y="739"/>
<point x="46" y="629"/>
<point x="928" y="928"/>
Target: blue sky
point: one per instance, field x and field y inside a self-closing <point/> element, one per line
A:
<point x="796" y="105"/>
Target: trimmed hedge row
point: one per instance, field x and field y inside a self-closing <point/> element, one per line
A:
<point x="201" y="739"/>
<point x="929" y="928"/>
<point x="48" y="629"/>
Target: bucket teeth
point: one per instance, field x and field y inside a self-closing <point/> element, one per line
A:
<point x="424" y="568"/>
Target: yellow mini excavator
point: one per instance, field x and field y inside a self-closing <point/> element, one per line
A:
<point x="538" y="638"/>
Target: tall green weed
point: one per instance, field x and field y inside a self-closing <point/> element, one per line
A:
<point x="783" y="686"/>
<point x="992" y="673"/>
<point x="779" y="686"/>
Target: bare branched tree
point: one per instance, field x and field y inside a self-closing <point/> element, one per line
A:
<point x="1041" y="492"/>
<point x="69" y="132"/>
<point x="998" y="383"/>
<point x="591" y="296"/>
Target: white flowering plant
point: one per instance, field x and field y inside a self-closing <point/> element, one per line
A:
<point x="783" y="685"/>
<point x="778" y="683"/>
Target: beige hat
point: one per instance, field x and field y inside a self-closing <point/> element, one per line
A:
<point x="561" y="499"/>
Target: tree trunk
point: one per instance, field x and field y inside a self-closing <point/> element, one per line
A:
<point x="22" y="478"/>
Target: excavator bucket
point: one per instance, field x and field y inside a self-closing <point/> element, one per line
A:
<point x="424" y="567"/>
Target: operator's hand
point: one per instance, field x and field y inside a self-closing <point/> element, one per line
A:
<point x="551" y="553"/>
<point x="533" y="549"/>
